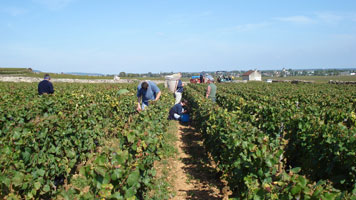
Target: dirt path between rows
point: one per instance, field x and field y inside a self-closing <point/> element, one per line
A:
<point x="194" y="176"/>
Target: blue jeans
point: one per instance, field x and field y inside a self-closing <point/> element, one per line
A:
<point x="144" y="104"/>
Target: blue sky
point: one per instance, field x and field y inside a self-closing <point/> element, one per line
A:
<point x="111" y="36"/>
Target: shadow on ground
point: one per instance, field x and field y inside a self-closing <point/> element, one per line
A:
<point x="198" y="167"/>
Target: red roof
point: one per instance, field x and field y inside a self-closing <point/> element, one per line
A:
<point x="248" y="73"/>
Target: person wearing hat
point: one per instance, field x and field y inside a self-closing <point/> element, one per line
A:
<point x="211" y="91"/>
<point x="147" y="91"/>
<point x="45" y="86"/>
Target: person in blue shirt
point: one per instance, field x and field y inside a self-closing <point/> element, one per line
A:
<point x="177" y="110"/>
<point x="45" y="86"/>
<point x="179" y="90"/>
<point x="147" y="91"/>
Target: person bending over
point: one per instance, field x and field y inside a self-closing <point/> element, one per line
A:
<point x="177" y="110"/>
<point x="147" y="91"/>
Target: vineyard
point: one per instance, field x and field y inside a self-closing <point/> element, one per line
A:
<point x="280" y="141"/>
<point x="86" y="141"/>
<point x="269" y="141"/>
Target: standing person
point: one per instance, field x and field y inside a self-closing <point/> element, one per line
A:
<point x="211" y="91"/>
<point x="177" y="110"/>
<point x="179" y="89"/>
<point x="201" y="77"/>
<point x="147" y="91"/>
<point x="45" y="86"/>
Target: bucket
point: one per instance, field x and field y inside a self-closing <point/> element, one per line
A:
<point x="171" y="82"/>
<point x="185" y="118"/>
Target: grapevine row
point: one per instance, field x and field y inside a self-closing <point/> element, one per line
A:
<point x="252" y="157"/>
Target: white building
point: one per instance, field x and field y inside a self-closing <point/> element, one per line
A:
<point x="252" y="75"/>
<point x="116" y="78"/>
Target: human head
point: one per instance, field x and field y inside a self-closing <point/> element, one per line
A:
<point x="144" y="85"/>
<point x="184" y="102"/>
<point x="47" y="77"/>
<point x="210" y="79"/>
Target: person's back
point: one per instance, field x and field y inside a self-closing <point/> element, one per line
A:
<point x="176" y="109"/>
<point x="149" y="93"/>
<point x="179" y="86"/>
<point x="45" y="86"/>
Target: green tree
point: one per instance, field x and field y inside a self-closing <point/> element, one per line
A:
<point x="122" y="74"/>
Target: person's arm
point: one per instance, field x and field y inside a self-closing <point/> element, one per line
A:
<point x="156" y="90"/>
<point x="157" y="96"/>
<point x="208" y="92"/>
<point x="138" y="104"/>
<point x="139" y="97"/>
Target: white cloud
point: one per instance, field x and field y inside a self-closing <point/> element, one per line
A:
<point x="248" y="27"/>
<point x="13" y="11"/>
<point x="54" y="4"/>
<point x="296" y="19"/>
<point x="329" y="17"/>
<point x="323" y="17"/>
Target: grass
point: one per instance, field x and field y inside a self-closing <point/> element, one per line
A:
<point x="8" y="71"/>
<point x="24" y="72"/>
<point x="67" y="76"/>
<point x="13" y="69"/>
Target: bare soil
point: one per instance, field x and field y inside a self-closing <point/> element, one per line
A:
<point x="194" y="177"/>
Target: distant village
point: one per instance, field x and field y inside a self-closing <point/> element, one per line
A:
<point x="264" y="73"/>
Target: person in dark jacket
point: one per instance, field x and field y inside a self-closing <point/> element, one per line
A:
<point x="45" y="86"/>
<point x="177" y="110"/>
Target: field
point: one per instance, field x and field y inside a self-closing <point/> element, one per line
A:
<point x="85" y="141"/>
<point x="317" y="79"/>
<point x="269" y="141"/>
<point x="280" y="141"/>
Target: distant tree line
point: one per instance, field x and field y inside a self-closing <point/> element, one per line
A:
<point x="237" y="73"/>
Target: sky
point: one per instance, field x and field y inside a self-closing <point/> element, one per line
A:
<point x="140" y="36"/>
